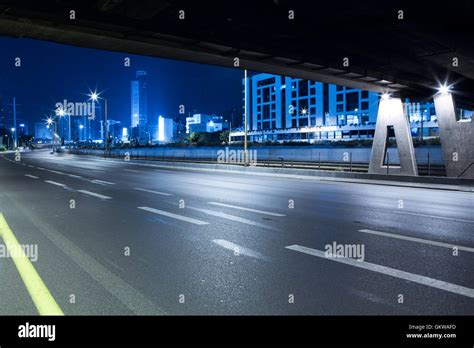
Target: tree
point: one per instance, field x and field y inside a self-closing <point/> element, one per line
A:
<point x="193" y="137"/>
<point x="224" y="137"/>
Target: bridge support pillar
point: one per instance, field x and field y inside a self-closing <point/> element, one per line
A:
<point x="457" y="138"/>
<point x="391" y="114"/>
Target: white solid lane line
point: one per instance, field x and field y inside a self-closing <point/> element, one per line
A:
<point x="174" y="216"/>
<point x="230" y="217"/>
<point x="31" y="176"/>
<point x="94" y="194"/>
<point x="239" y="250"/>
<point x="434" y="283"/>
<point x="55" y="171"/>
<point x="151" y="191"/>
<point x="132" y="170"/>
<point x="418" y="240"/>
<point x="54" y="183"/>
<point x="246" y="209"/>
<point x="102" y="182"/>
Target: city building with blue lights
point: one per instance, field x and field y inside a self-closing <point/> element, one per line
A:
<point x="291" y="109"/>
<point x="139" y="105"/>
<point x="202" y="123"/>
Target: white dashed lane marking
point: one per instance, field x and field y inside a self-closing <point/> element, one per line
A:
<point x="55" y="183"/>
<point x="415" y="278"/>
<point x="246" y="209"/>
<point x="152" y="191"/>
<point x="418" y="240"/>
<point x="174" y="216"/>
<point x="94" y="194"/>
<point x="102" y="182"/>
<point x="239" y="250"/>
<point x="230" y="217"/>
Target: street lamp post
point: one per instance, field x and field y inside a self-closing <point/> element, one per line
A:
<point x="421" y="128"/>
<point x="49" y="122"/>
<point x="62" y="113"/>
<point x="245" y="117"/>
<point x="81" y="127"/>
<point x="13" y="137"/>
<point x="69" y="132"/>
<point x="106" y="128"/>
<point x="230" y="129"/>
<point x="48" y="127"/>
<point x="304" y="112"/>
<point x="14" y="123"/>
<point x="94" y="96"/>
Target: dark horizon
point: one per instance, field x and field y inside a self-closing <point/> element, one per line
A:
<point x="51" y="72"/>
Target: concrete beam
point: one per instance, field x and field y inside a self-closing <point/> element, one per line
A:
<point x="457" y="138"/>
<point x="166" y="46"/>
<point x="391" y="113"/>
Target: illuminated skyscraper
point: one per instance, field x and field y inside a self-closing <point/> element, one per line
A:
<point x="139" y="115"/>
<point x="135" y="104"/>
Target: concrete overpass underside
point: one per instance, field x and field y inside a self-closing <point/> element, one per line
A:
<point x="405" y="48"/>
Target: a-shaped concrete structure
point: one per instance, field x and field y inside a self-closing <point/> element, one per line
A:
<point x="457" y="138"/>
<point x="390" y="114"/>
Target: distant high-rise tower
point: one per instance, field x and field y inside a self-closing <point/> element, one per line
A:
<point x="135" y="104"/>
<point x="139" y="110"/>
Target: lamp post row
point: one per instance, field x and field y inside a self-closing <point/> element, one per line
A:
<point x="94" y="96"/>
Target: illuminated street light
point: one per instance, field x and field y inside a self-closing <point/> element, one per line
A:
<point x="444" y="89"/>
<point x="385" y="96"/>
<point x="49" y="121"/>
<point x="93" y="95"/>
<point x="304" y="111"/>
<point x="61" y="113"/>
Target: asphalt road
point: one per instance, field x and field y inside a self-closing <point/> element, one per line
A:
<point x="117" y="237"/>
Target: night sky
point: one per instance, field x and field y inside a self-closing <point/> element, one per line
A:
<point x="52" y="72"/>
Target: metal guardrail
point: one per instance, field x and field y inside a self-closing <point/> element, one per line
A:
<point x="316" y="164"/>
<point x="282" y="161"/>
